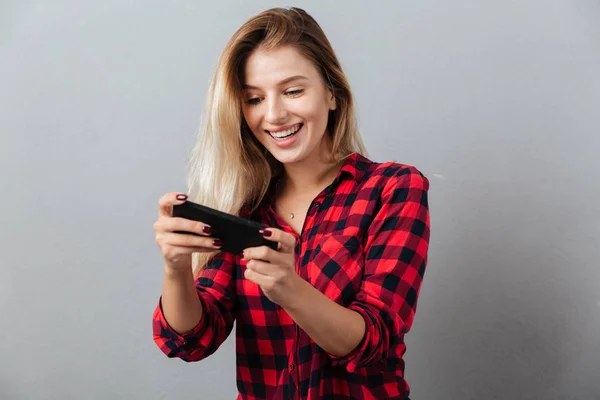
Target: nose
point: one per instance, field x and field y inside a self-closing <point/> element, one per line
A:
<point x="276" y="112"/>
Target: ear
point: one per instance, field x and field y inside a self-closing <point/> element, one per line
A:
<point x="331" y="100"/>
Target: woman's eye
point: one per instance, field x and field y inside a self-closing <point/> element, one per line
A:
<point x="254" y="101"/>
<point x="293" y="92"/>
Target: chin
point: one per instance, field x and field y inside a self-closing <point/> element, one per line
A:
<point x="286" y="156"/>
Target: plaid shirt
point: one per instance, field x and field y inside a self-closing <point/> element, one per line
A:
<point x="364" y="245"/>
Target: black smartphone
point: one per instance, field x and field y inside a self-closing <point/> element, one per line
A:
<point x="237" y="233"/>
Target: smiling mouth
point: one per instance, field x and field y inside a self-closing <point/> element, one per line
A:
<point x="288" y="133"/>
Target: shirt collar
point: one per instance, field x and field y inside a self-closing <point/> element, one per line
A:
<point x="355" y="165"/>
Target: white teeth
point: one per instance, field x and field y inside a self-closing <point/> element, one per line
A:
<point x="289" y="132"/>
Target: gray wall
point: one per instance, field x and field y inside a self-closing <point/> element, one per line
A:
<point x="99" y="104"/>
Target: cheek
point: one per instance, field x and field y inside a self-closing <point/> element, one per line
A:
<point x="252" y="120"/>
<point x="248" y="116"/>
<point x="310" y="111"/>
<point x="318" y="115"/>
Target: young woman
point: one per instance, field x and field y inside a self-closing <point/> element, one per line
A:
<point x="323" y="316"/>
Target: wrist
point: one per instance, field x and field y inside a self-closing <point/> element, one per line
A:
<point x="177" y="273"/>
<point x="297" y="295"/>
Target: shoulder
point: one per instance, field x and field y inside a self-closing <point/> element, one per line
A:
<point x="393" y="175"/>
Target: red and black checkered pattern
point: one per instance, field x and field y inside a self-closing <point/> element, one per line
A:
<point x="364" y="245"/>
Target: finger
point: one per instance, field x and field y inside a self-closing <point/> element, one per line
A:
<point x="180" y="225"/>
<point x="174" y="252"/>
<point x="166" y="202"/>
<point x="263" y="253"/>
<point x="287" y="240"/>
<point x="188" y="240"/>
<point x="263" y="268"/>
<point x="258" y="278"/>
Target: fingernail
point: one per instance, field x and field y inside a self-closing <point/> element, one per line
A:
<point x="207" y="229"/>
<point x="217" y="243"/>
<point x="265" y="232"/>
<point x="182" y="197"/>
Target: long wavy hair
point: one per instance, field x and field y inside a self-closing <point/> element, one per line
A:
<point x="228" y="168"/>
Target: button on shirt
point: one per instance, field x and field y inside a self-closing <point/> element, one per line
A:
<point x="364" y="245"/>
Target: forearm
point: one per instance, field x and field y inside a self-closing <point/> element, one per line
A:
<point x="336" y="329"/>
<point x="180" y="304"/>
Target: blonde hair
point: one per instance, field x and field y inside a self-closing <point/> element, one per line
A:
<point x="228" y="168"/>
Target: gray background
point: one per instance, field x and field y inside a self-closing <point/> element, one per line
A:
<point x="99" y="104"/>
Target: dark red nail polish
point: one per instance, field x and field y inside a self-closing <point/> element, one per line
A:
<point x="182" y="197"/>
<point x="217" y="243"/>
<point x="265" y="232"/>
<point x="207" y="229"/>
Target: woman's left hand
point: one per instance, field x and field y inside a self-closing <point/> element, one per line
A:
<point x="274" y="270"/>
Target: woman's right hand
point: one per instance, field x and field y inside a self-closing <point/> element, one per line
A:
<point x="177" y="248"/>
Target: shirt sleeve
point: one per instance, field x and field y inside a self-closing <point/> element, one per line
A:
<point x="395" y="259"/>
<point x="215" y="286"/>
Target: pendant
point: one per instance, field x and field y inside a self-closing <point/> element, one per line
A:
<point x="291" y="215"/>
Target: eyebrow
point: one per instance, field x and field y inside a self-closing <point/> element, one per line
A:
<point x="283" y="82"/>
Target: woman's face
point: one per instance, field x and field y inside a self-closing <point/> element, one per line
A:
<point x="286" y="104"/>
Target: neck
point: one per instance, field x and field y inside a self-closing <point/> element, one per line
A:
<point x="309" y="176"/>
